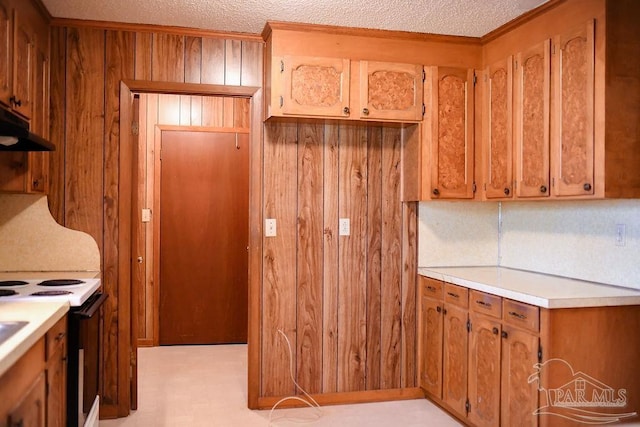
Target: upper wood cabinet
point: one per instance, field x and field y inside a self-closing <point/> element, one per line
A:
<point x="531" y="117"/>
<point x="390" y="91"/>
<point x="448" y="142"/>
<point x="6" y="50"/>
<point x="498" y="149"/>
<point x="323" y="87"/>
<point x="573" y="124"/>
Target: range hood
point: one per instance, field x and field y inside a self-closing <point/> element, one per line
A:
<point x="15" y="135"/>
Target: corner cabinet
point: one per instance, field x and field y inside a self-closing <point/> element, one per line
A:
<point x="448" y="134"/>
<point x="333" y="88"/>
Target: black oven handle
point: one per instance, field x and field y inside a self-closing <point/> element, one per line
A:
<point x="92" y="305"/>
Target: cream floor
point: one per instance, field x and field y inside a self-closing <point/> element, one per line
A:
<point x="207" y="386"/>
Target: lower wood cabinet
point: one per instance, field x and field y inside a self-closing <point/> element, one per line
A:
<point x="29" y="412"/>
<point x="56" y="340"/>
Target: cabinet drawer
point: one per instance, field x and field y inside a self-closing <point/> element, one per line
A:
<point x="488" y="304"/>
<point x="56" y="336"/>
<point x="521" y="315"/>
<point x="456" y="295"/>
<point x="431" y="288"/>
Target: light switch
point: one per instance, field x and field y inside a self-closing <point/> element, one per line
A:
<point x="270" y="227"/>
<point x="345" y="227"/>
<point x="146" y="215"/>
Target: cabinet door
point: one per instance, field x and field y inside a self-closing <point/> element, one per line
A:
<point x="56" y="397"/>
<point x="24" y="48"/>
<point x="314" y="86"/>
<point x="390" y="91"/>
<point x="13" y="171"/>
<point x="449" y="124"/>
<point x="40" y="114"/>
<point x="519" y="398"/>
<point x="532" y="85"/>
<point x="484" y="371"/>
<point x="431" y="330"/>
<point x="454" y="379"/>
<point x="30" y="410"/>
<point x="6" y="52"/>
<point x="573" y="116"/>
<point x="38" y="178"/>
<point x="498" y="144"/>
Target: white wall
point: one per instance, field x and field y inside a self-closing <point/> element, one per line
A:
<point x="566" y="238"/>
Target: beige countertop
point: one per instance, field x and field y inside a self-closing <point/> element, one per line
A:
<point x="41" y="317"/>
<point x="537" y="289"/>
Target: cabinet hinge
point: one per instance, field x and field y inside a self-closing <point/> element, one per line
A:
<point x="475" y="79"/>
<point x="540" y="354"/>
<point x="515" y="65"/>
<point x="468" y="325"/>
<point x="467" y="406"/>
<point x="424" y="76"/>
<point x="553" y="49"/>
<point x="282" y="66"/>
<point x="474" y="187"/>
<point x="135" y="128"/>
<point x="281" y="101"/>
<point x="424" y="110"/>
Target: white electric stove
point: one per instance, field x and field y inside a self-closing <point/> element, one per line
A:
<point x="76" y="291"/>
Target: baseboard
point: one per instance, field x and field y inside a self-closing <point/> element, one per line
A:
<point x="346" y="398"/>
<point x="145" y="342"/>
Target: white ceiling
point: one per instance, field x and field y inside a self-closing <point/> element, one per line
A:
<point x="457" y="17"/>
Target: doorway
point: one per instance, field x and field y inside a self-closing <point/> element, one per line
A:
<point x="204" y="216"/>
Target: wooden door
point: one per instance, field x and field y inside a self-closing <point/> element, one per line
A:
<point x="519" y="398"/>
<point x="431" y="334"/>
<point x="531" y="110"/>
<point x="6" y="52"/>
<point x="203" y="237"/>
<point x="313" y="86"/>
<point x="390" y="91"/>
<point x="484" y="371"/>
<point x="449" y="124"/>
<point x="24" y="58"/>
<point x="573" y="147"/>
<point x="454" y="378"/>
<point x="498" y="143"/>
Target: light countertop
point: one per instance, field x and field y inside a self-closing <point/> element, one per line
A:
<point x="537" y="289"/>
<point x="41" y="317"/>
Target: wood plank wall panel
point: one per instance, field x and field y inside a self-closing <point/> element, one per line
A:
<point x="391" y="315"/>
<point x="279" y="263"/>
<point x="374" y="257"/>
<point x="409" y="294"/>
<point x="352" y="320"/>
<point x="310" y="226"/>
<point x="84" y="168"/>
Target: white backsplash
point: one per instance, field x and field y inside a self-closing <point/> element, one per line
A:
<point x="574" y="239"/>
<point x="456" y="234"/>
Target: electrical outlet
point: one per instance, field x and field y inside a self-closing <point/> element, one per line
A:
<point x="621" y="234"/>
<point x="270" y="227"/>
<point x="345" y="227"/>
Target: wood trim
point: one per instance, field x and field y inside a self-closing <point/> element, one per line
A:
<point x="145" y="342"/>
<point x="42" y="9"/>
<point x="346" y="398"/>
<point x="108" y="412"/>
<point x="157" y="138"/>
<point x="520" y="20"/>
<point x="202" y="129"/>
<point x="177" y="88"/>
<point x="365" y="32"/>
<point x="151" y="28"/>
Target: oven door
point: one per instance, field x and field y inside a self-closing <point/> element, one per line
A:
<point x="83" y="367"/>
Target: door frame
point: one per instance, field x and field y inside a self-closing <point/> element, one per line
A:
<point x="127" y="311"/>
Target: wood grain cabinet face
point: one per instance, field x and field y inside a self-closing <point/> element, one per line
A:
<point x="498" y="143"/>
<point x="449" y="133"/>
<point x="23" y="67"/>
<point x="390" y="91"/>
<point x="484" y="370"/>
<point x="313" y="86"/>
<point x="30" y="411"/>
<point x="56" y="355"/>
<point x="431" y="334"/>
<point x="573" y="140"/>
<point x="454" y="378"/>
<point x="531" y="111"/>
<point x="6" y="52"/>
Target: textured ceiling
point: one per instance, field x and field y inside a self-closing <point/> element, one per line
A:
<point x="456" y="17"/>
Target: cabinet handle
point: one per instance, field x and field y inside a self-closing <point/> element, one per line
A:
<point x="15" y="101"/>
<point x="517" y="315"/>
<point x="543" y="189"/>
<point x="346" y="110"/>
<point x="495" y="331"/>
<point x="587" y="187"/>
<point x="36" y="183"/>
<point x="436" y="192"/>
<point x="431" y="288"/>
<point x="365" y="111"/>
<point x="504" y="335"/>
<point x="452" y="295"/>
<point x="60" y="336"/>
<point x="486" y="304"/>
<point x="444" y="311"/>
<point x="438" y="309"/>
<point x="507" y="191"/>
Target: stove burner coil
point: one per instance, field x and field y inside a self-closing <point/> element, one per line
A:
<point x="9" y="283"/>
<point x="51" y="293"/>
<point x="61" y="282"/>
<point x="7" y="292"/>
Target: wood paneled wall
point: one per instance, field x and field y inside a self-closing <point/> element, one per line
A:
<point x="346" y="303"/>
<point x="88" y="64"/>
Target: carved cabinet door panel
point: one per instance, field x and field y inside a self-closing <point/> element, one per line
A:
<point x="454" y="379"/>
<point x="484" y="371"/>
<point x="431" y="330"/>
<point x="531" y="110"/>
<point x="573" y="144"/>
<point x="390" y="91"/>
<point x="497" y="137"/>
